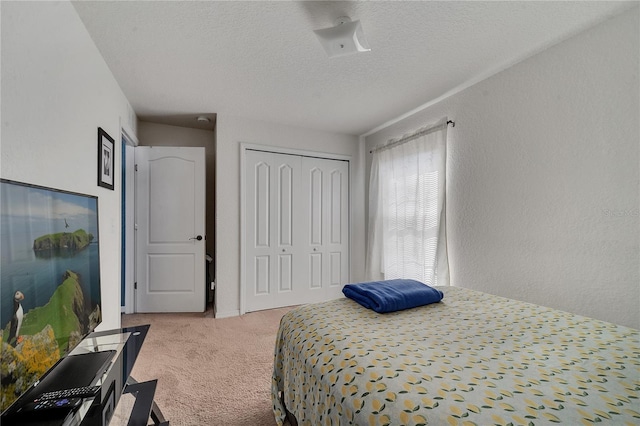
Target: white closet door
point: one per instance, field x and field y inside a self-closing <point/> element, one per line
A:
<point x="325" y="215"/>
<point x="296" y="229"/>
<point x="272" y="267"/>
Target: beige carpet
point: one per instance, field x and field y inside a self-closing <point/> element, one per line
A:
<point x="210" y="371"/>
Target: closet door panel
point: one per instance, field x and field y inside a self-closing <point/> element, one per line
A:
<point x="336" y="207"/>
<point x="261" y="200"/>
<point x="262" y="277"/>
<point x="285" y="200"/>
<point x="315" y="188"/>
<point x="272" y="185"/>
<point x="328" y="240"/>
<point x="338" y="229"/>
<point x="296" y="229"/>
<point x="285" y="273"/>
<point x="315" y="271"/>
<point x="336" y="269"/>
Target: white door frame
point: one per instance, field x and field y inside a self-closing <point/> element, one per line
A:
<point x="243" y="187"/>
<point x="128" y="244"/>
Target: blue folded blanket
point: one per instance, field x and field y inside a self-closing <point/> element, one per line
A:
<point x="392" y="295"/>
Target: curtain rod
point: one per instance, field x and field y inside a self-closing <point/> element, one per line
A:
<point x="413" y="136"/>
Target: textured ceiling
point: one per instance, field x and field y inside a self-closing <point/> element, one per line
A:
<point x="261" y="59"/>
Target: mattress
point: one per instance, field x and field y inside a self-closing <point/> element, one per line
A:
<point x="473" y="358"/>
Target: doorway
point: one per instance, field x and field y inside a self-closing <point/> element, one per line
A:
<point x="170" y="229"/>
<point x="167" y="132"/>
<point x="128" y="219"/>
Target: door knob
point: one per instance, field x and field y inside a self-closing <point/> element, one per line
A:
<point x="199" y="238"/>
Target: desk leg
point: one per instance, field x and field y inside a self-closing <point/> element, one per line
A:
<point x="157" y="417"/>
<point x="145" y="406"/>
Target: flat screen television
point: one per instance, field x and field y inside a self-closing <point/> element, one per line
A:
<point x="49" y="280"/>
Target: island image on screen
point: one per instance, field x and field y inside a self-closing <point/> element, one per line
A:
<point x="49" y="280"/>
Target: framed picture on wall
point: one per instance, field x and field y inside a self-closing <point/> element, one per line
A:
<point x="106" y="166"/>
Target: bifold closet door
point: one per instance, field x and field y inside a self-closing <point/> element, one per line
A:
<point x="296" y="229"/>
<point x="273" y="270"/>
<point x="324" y="214"/>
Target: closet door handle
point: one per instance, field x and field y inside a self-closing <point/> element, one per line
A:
<point x="198" y="237"/>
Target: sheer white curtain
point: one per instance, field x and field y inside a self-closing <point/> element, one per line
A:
<point x="407" y="208"/>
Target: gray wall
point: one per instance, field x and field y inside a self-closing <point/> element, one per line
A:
<point x="543" y="176"/>
<point x="56" y="92"/>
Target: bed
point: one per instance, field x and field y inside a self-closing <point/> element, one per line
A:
<point x="473" y="358"/>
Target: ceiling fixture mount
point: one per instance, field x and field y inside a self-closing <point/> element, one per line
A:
<point x="345" y="38"/>
<point x="203" y="119"/>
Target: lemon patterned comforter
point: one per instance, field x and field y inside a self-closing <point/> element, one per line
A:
<point x="472" y="359"/>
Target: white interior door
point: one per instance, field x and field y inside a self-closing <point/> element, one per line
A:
<point x="273" y="270"/>
<point x="296" y="229"/>
<point x="170" y="226"/>
<point x="324" y="211"/>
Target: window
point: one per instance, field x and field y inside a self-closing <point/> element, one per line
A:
<point x="407" y="209"/>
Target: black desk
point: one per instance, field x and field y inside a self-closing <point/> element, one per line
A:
<point x="122" y="347"/>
